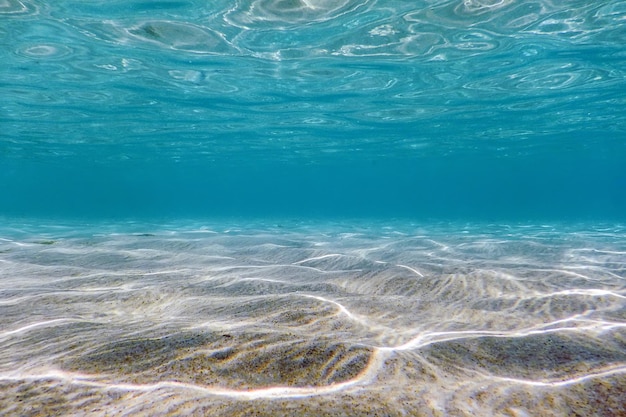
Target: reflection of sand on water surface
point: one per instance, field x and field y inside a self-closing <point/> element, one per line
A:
<point x="312" y="323"/>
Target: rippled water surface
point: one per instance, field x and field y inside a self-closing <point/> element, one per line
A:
<point x="193" y="107"/>
<point x="422" y="208"/>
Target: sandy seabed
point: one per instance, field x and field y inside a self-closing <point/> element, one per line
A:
<point x="312" y="319"/>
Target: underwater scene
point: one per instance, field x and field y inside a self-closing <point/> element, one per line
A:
<point x="312" y="208"/>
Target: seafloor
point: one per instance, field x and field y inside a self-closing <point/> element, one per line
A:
<point x="312" y="319"/>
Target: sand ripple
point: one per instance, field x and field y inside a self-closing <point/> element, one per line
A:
<point x="313" y="320"/>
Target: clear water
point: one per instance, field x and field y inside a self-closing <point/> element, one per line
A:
<point x="290" y="206"/>
<point x="497" y="110"/>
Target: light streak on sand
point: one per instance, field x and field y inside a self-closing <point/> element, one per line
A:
<point x="275" y="392"/>
<point x="166" y="272"/>
<point x="566" y="272"/>
<point x="596" y="269"/>
<point x="582" y="291"/>
<point x="341" y="307"/>
<point x="235" y="267"/>
<point x="415" y="271"/>
<point x="277" y="281"/>
<point x="429" y="338"/>
<point x="47" y="323"/>
<point x="609" y="252"/>
<point x="330" y="255"/>
<point x="617" y="370"/>
<point x="443" y="246"/>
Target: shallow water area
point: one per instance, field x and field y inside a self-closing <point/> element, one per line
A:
<point x="290" y="134"/>
<point x="312" y="318"/>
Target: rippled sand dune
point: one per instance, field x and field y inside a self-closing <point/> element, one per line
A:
<point x="312" y="320"/>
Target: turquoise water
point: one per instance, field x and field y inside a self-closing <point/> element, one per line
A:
<point x="312" y="207"/>
<point x="493" y="110"/>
